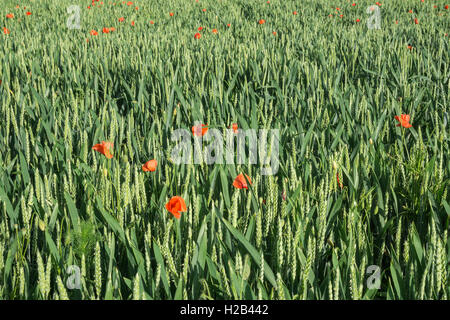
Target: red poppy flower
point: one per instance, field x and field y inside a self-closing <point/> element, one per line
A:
<point x="262" y="21"/>
<point x="357" y="20"/>
<point x="150" y="165"/>
<point x="235" y="125"/>
<point x="93" y="33"/>
<point x="214" y="30"/>
<point x="446" y="7"/>
<point x="197" y="36"/>
<point x="171" y="14"/>
<point x="200" y="28"/>
<point x="121" y="19"/>
<point x="416" y="21"/>
<point x="28" y="13"/>
<point x="104" y="148"/>
<point x="274" y="33"/>
<point x="129" y="3"/>
<point x="204" y="10"/>
<point x="403" y="121"/>
<point x="353" y="4"/>
<point x="151" y="22"/>
<point x="132" y="23"/>
<point x="199" y="131"/>
<point x="339" y="183"/>
<point x="105" y="30"/>
<point x="229" y="25"/>
<point x="10" y="15"/>
<point x="176" y="205"/>
<point x="6" y="31"/>
<point x="294" y="13"/>
<point x="240" y="182"/>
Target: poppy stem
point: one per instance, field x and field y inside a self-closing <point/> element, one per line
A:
<point x="404" y="143"/>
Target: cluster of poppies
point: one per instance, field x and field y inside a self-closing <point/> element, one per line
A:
<point x="176" y="204"/>
<point x="11" y="16"/>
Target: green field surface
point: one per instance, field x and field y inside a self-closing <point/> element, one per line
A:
<point x="359" y="207"/>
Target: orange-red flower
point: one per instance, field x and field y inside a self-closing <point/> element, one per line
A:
<point x="129" y="3"/>
<point x="150" y="165"/>
<point x="151" y="22"/>
<point x="197" y="35"/>
<point x="104" y="148"/>
<point x="121" y="19"/>
<point x="6" y="30"/>
<point x="10" y="15"/>
<point x="93" y="33"/>
<point x="339" y="183"/>
<point x="132" y="23"/>
<point x="176" y="205"/>
<point x="105" y="30"/>
<point x="262" y="21"/>
<point x="28" y="13"/>
<point x="416" y="21"/>
<point x="199" y="131"/>
<point x="229" y="25"/>
<point x="274" y="33"/>
<point x="446" y="7"/>
<point x="294" y="13"/>
<point x="204" y="10"/>
<point x="171" y="14"/>
<point x="214" y="30"/>
<point x="200" y="28"/>
<point x="403" y="121"/>
<point x="235" y="125"/>
<point x="240" y="181"/>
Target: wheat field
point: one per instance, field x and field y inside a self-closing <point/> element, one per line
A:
<point x="359" y="207"/>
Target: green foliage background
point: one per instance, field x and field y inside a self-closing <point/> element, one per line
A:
<point x="329" y="84"/>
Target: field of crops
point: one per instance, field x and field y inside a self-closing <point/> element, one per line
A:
<point x="358" y="208"/>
